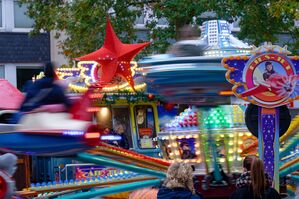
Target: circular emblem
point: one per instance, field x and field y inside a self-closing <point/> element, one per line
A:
<point x="270" y="78"/>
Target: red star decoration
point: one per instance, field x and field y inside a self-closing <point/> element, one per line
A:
<point x="114" y="57"/>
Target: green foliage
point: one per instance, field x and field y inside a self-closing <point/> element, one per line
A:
<point x="84" y="21"/>
<point x="263" y="20"/>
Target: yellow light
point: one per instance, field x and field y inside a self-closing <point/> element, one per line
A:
<point x="231" y="135"/>
<point x="248" y="134"/>
<point x="197" y="152"/>
<point x="221" y="160"/>
<point x="104" y="111"/>
<point x="196" y="136"/>
<point x="241" y="134"/>
<point x="173" y="137"/>
<point x="226" y="93"/>
<point x="240" y="142"/>
<point x="239" y="150"/>
<point x="230" y="143"/>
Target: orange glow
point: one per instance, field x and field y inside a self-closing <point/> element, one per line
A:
<point x="93" y="109"/>
<point x="226" y="93"/>
<point x="92" y="135"/>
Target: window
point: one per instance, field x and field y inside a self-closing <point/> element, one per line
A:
<point x="140" y="19"/>
<point x="2" y="72"/>
<point x="122" y="125"/>
<point x="145" y="123"/>
<point x="22" y="20"/>
<point x="162" y="21"/>
<point x="24" y="75"/>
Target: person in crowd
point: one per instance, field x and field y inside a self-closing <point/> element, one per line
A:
<point x="255" y="185"/>
<point x="44" y="91"/>
<point x="245" y="178"/>
<point x="178" y="183"/>
<point x="120" y="131"/>
<point x="186" y="45"/>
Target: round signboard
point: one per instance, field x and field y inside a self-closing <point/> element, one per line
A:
<point x="272" y="72"/>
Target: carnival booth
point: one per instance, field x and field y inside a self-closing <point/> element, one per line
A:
<point x="205" y="137"/>
<point x="121" y="106"/>
<point x="118" y="109"/>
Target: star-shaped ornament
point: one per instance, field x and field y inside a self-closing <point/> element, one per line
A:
<point x="114" y="57"/>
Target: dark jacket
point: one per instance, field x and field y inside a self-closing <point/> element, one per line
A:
<point x="176" y="193"/>
<point x="44" y="92"/>
<point x="247" y="193"/>
<point x="123" y="143"/>
<point x="245" y="180"/>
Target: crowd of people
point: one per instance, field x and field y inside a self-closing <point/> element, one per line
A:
<point x="253" y="183"/>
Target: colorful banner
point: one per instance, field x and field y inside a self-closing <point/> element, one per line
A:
<point x="83" y="173"/>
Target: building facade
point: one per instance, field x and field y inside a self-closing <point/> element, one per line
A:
<point x="21" y="56"/>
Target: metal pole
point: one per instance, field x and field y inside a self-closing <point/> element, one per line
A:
<point x="260" y="134"/>
<point x="276" y="151"/>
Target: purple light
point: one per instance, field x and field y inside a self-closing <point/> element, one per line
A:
<point x="268" y="130"/>
<point x="73" y="133"/>
<point x="111" y="137"/>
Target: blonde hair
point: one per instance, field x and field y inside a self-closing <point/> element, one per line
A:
<point x="258" y="180"/>
<point x="179" y="174"/>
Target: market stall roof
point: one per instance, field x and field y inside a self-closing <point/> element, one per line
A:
<point x="10" y="96"/>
